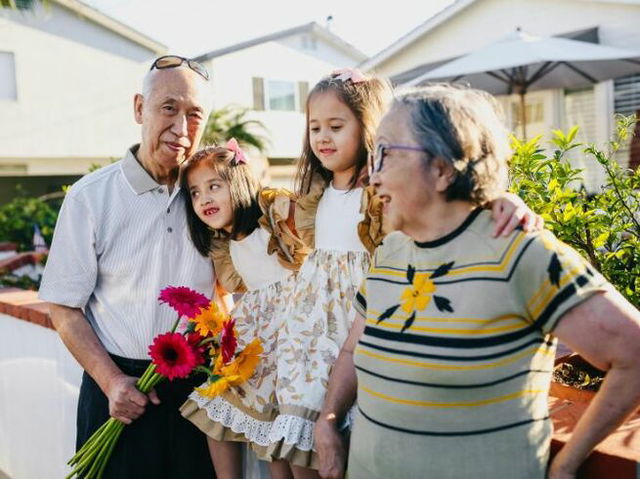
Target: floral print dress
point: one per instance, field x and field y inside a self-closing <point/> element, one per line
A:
<point x="344" y="227"/>
<point x="262" y="266"/>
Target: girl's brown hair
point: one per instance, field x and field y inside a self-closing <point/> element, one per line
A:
<point x="367" y="99"/>
<point x="243" y="187"/>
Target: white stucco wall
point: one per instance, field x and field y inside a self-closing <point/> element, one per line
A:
<point x="232" y="84"/>
<point x="486" y="21"/>
<point x="74" y="97"/>
<point x="39" y="384"/>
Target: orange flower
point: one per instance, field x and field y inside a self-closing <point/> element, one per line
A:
<point x="210" y="321"/>
<point x="245" y="364"/>
<point x="216" y="388"/>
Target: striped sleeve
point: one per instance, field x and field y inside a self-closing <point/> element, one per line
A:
<point x="361" y="296"/>
<point x="551" y="278"/>
<point x="71" y="272"/>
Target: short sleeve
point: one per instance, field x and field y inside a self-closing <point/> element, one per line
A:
<point x="226" y="274"/>
<point x="71" y="271"/>
<point x="370" y="229"/>
<point x="550" y="278"/>
<point x="361" y="296"/>
<point x="278" y="207"/>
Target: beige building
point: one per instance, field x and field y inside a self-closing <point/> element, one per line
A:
<point x="271" y="76"/>
<point x="471" y="24"/>
<point x="68" y="74"/>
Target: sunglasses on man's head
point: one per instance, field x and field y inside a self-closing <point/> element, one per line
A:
<point x="174" y="61"/>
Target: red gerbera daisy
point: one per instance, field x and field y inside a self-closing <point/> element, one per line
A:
<point x="172" y="355"/>
<point x="228" y="341"/>
<point x="200" y="350"/>
<point x="185" y="301"/>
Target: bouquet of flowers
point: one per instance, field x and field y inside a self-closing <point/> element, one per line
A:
<point x="203" y="339"/>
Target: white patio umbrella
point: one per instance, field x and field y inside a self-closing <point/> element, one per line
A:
<point x="520" y="62"/>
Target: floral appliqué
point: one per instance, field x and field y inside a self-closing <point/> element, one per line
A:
<point x="556" y="264"/>
<point x="418" y="295"/>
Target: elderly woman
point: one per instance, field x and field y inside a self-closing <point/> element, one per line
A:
<point x="454" y="346"/>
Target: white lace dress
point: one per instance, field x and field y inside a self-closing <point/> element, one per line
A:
<point x="319" y="317"/>
<point x="245" y="413"/>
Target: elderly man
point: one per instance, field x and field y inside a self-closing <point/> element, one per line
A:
<point x="121" y="237"/>
<point x="455" y="340"/>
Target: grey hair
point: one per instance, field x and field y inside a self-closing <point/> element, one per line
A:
<point x="464" y="127"/>
<point x="149" y="79"/>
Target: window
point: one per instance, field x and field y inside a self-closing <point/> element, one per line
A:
<point x="8" y="88"/>
<point x="281" y="95"/>
<point x="626" y="101"/>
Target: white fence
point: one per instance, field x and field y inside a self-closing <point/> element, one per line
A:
<point x="39" y="383"/>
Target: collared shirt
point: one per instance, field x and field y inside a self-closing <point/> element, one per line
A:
<point x="121" y="238"/>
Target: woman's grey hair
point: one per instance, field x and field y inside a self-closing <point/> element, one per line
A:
<point x="464" y="127"/>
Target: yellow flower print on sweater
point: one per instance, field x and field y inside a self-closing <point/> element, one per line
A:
<point x="418" y="295"/>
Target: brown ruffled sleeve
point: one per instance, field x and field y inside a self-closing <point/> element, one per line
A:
<point x="370" y="229"/>
<point x="278" y="207"/>
<point x="226" y="274"/>
<point x="306" y="208"/>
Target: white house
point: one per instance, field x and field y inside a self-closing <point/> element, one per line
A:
<point x="68" y="74"/>
<point x="466" y="25"/>
<point x="271" y="76"/>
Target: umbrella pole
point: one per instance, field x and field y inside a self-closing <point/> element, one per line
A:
<point x="523" y="115"/>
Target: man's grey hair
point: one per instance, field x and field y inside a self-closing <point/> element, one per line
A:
<point x="464" y="127"/>
<point x="149" y="80"/>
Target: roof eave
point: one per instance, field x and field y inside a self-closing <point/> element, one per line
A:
<point x="113" y="25"/>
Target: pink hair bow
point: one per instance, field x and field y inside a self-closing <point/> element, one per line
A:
<point x="239" y="157"/>
<point x="344" y="74"/>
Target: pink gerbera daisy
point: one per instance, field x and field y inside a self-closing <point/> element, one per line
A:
<point x="173" y="356"/>
<point x="185" y="301"/>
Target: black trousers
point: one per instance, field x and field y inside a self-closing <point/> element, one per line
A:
<point x="160" y="444"/>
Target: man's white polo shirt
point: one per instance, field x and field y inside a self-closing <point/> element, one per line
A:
<point x="121" y="238"/>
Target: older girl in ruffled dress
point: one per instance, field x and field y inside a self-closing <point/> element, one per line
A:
<point x="249" y="234"/>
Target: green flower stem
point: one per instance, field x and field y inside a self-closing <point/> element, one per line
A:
<point x="145" y="376"/>
<point x="109" y="451"/>
<point x="95" y="464"/>
<point x="175" y="325"/>
<point x="146" y="386"/>
<point x="88" y="443"/>
<point x="96" y="455"/>
<point x="91" y="451"/>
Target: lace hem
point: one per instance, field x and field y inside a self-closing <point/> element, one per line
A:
<point x="293" y="430"/>
<point x="221" y="411"/>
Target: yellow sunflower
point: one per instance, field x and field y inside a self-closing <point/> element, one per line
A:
<point x="418" y="295"/>
<point x="214" y="389"/>
<point x="210" y="320"/>
<point x="245" y="364"/>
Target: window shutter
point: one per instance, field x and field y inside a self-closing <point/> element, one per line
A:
<point x="303" y="93"/>
<point x="626" y="101"/>
<point x="258" y="94"/>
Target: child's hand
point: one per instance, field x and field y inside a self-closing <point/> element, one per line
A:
<point x="509" y="211"/>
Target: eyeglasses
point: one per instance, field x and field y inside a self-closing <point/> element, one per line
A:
<point x="377" y="159"/>
<point x="174" y="61"/>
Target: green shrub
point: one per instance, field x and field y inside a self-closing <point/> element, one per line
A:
<point x="17" y="219"/>
<point x="605" y="226"/>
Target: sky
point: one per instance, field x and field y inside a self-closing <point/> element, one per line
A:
<point x="191" y="27"/>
